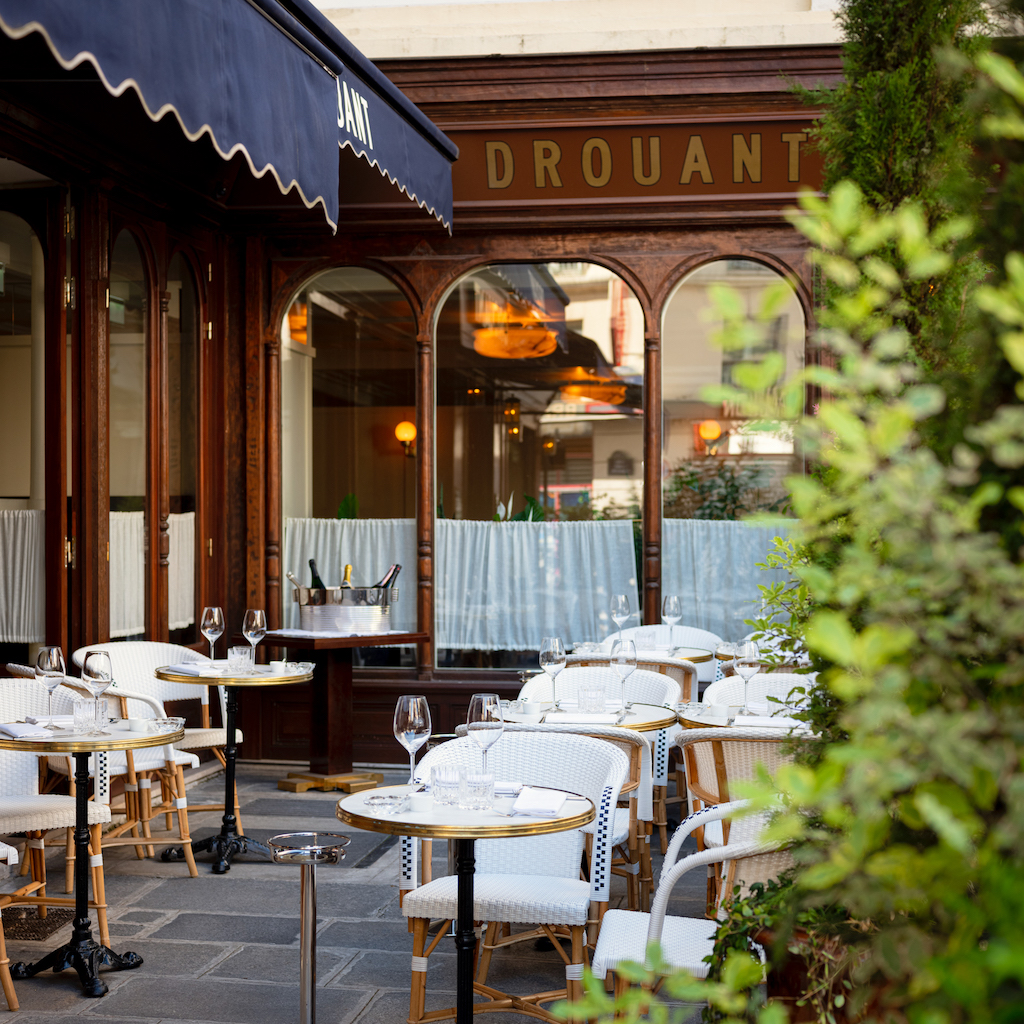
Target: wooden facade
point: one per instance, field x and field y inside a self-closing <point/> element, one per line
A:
<point x="251" y="250"/>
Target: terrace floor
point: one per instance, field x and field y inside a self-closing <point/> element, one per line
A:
<point x="224" y="949"/>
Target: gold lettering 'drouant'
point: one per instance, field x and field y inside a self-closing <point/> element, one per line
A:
<point x="494" y="150"/>
<point x="746" y="158"/>
<point x="654" y="175"/>
<point x="793" y="140"/>
<point x="604" y="152"/>
<point x="696" y="162"/>
<point x="546" y="154"/>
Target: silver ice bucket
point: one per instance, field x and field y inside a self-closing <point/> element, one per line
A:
<point x="345" y="609"/>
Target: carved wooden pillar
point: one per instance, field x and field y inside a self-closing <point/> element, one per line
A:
<point x="255" y="424"/>
<point x="157" y="526"/>
<point x="651" y="586"/>
<point x="93" y="385"/>
<point x="425" y="490"/>
<point x="272" y="557"/>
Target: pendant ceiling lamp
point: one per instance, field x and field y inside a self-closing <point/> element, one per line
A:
<point x="581" y="382"/>
<point x="510" y="331"/>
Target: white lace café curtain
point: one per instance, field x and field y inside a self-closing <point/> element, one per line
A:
<point x="711" y="565"/>
<point x="22" y="576"/>
<point x="128" y="567"/>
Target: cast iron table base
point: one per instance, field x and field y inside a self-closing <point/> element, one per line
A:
<point x="83" y="952"/>
<point x="229" y="842"/>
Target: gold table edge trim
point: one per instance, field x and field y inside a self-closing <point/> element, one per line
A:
<point x="110" y="742"/>
<point x="269" y="680"/>
<point x="389" y="826"/>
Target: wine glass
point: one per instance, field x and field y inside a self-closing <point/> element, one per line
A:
<point x="726" y="653"/>
<point x="97" y="677"/>
<point x="50" y="671"/>
<point x="671" y="613"/>
<point x="552" y="660"/>
<point x="254" y="629"/>
<point x="623" y="660"/>
<point x="620" y="611"/>
<point x="485" y="722"/>
<point x="412" y="725"/>
<point x="748" y="664"/>
<point x="212" y="626"/>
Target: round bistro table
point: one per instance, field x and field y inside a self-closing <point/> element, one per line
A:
<point x="640" y="717"/>
<point x="465" y="827"/>
<point x="228" y="842"/>
<point x="83" y="952"/>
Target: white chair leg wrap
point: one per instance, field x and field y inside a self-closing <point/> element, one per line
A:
<point x="574" y="972"/>
<point x="145" y="783"/>
<point x="181" y="803"/>
<point x="419" y="964"/>
<point x="96" y="860"/>
<point x="35" y="844"/>
<point x="632" y="869"/>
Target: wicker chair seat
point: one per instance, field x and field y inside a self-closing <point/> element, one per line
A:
<point x="534" y="900"/>
<point x="685" y="942"/>
<point x="45" y="812"/>
<point x="201" y="739"/>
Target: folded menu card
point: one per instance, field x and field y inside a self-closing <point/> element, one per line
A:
<point x="23" y="731"/>
<point x="539" y="803"/>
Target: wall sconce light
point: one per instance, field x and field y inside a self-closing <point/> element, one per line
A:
<point x="406" y="433"/>
<point x="710" y="432"/>
<point x="298" y="322"/>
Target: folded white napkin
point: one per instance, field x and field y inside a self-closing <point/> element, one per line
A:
<point x="507" y="788"/>
<point x="189" y="668"/>
<point x="764" y="721"/>
<point x="22" y="731"/>
<point x="578" y="718"/>
<point x="539" y="803"/>
<point x="61" y="721"/>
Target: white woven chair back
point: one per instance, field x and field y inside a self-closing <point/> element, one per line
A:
<point x="743" y="872"/>
<point x="554" y="856"/>
<point x="641" y="687"/>
<point x="20" y="697"/>
<point x="685" y="673"/>
<point x="19" y="773"/>
<point x="133" y="663"/>
<point x="678" y="636"/>
<point x="579" y="764"/>
<point x="762" y="686"/>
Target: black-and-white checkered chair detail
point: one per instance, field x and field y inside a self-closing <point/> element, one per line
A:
<point x="532" y="880"/>
<point x="685" y="941"/>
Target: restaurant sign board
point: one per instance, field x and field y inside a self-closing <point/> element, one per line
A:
<point x="770" y="158"/>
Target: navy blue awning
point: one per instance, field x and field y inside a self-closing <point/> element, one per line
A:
<point x="272" y="79"/>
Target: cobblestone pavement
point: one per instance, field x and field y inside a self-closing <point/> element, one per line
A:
<point x="224" y="949"/>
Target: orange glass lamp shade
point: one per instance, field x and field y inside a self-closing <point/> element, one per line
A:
<point x="587" y="384"/>
<point x="709" y="430"/>
<point x="298" y="320"/>
<point x="514" y="341"/>
<point x="406" y="433"/>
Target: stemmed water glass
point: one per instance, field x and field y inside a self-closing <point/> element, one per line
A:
<point x="485" y="722"/>
<point x="552" y="661"/>
<point x="97" y="677"/>
<point x="50" y="671"/>
<point x="254" y="629"/>
<point x="671" y="613"/>
<point x="623" y="660"/>
<point x="412" y="725"/>
<point x="620" y="611"/>
<point x="212" y="626"/>
<point x="748" y="664"/>
<point x="726" y="653"/>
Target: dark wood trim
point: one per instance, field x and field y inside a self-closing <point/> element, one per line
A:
<point x="425" y="501"/>
<point x="255" y="442"/>
<point x="273" y="524"/>
<point x="650" y="585"/>
<point x="160" y="454"/>
<point x="55" y="443"/>
<point x="94" y="383"/>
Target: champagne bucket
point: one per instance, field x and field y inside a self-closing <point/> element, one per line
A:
<point x="345" y="609"/>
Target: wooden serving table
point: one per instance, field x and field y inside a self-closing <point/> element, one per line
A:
<point x="330" y="734"/>
<point x="465" y="827"/>
<point x="83" y="952"/>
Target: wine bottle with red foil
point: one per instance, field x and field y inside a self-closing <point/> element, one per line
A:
<point x="389" y="577"/>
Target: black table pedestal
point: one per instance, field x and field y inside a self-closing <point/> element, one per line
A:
<point x="83" y="952"/>
<point x="465" y="935"/>
<point x="228" y="843"/>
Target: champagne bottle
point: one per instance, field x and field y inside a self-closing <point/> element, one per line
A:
<point x="317" y="584"/>
<point x="347" y="581"/>
<point x="389" y="577"/>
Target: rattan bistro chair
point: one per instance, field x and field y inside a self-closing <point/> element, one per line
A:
<point x="764" y="688"/>
<point x="684" y="672"/>
<point x="531" y="880"/>
<point x="685" y="941"/>
<point x="134" y="663"/>
<point x="9" y="856"/>
<point x="631" y="836"/>
<point x="677" y="636"/>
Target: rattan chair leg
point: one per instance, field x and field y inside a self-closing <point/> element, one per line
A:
<point x="661" y="816"/>
<point x="5" y="973"/>
<point x="99" y="887"/>
<point x="418" y="988"/>
<point x="486" y="951"/>
<point x="646" y="870"/>
<point x="183" y="829"/>
<point x="574" y="987"/>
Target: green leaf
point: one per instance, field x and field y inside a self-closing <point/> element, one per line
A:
<point x="830" y="635"/>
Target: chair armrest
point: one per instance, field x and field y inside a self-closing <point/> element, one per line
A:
<point x="120" y="691"/>
<point x="21" y="671"/>
<point x="695" y="821"/>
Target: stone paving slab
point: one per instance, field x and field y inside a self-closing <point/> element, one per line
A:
<point x="262" y="963"/>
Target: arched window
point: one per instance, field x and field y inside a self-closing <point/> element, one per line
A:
<point x="715" y="468"/>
